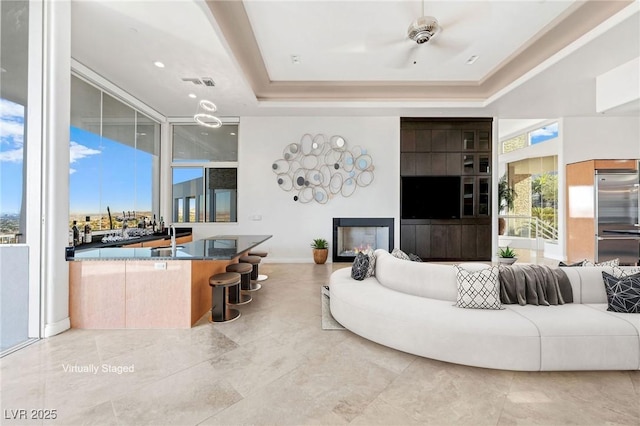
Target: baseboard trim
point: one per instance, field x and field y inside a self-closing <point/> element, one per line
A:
<point x="57" y="327"/>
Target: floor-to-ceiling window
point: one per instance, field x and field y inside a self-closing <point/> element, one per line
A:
<point x="533" y="173"/>
<point x="114" y="160"/>
<point x="14" y="254"/>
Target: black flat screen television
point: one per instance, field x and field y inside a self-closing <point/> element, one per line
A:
<point x="430" y="197"/>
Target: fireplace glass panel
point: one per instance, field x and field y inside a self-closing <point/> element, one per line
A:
<point x="354" y="239"/>
<point x="354" y="235"/>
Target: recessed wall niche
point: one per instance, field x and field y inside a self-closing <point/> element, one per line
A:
<point x="318" y="168"/>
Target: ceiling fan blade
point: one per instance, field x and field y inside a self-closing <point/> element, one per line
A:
<point x="408" y="58"/>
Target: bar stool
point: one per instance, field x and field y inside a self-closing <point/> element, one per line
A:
<point x="220" y="284"/>
<point x="260" y="254"/>
<point x="235" y="296"/>
<point x="253" y="261"/>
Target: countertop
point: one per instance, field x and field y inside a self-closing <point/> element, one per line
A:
<point x="218" y="247"/>
<point x="623" y="231"/>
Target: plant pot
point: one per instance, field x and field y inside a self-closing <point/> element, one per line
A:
<point x="320" y="255"/>
<point x="502" y="225"/>
<point x="507" y="260"/>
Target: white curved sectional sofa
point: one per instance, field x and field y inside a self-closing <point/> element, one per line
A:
<point x="409" y="306"/>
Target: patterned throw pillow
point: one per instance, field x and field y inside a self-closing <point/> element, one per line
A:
<point x="478" y="289"/>
<point x="371" y="271"/>
<point x="612" y="262"/>
<point x="618" y="272"/>
<point x="414" y="257"/>
<point x="360" y="267"/>
<point x="399" y="254"/>
<point x="623" y="294"/>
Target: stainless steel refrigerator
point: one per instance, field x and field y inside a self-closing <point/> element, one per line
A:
<point x="616" y="215"/>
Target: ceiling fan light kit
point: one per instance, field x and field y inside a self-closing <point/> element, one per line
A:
<point x="423" y="29"/>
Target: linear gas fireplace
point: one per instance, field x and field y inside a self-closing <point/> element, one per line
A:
<point x="352" y="235"/>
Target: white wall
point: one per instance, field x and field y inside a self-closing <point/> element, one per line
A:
<point x="293" y="224"/>
<point x="587" y="138"/>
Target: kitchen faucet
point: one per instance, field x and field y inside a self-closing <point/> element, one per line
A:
<point x="173" y="239"/>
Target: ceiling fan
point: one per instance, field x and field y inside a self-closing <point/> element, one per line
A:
<point x="421" y="30"/>
<point x="424" y="28"/>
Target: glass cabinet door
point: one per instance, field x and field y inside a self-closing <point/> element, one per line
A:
<point x="468" y="191"/>
<point x="469" y="140"/>
<point x="484" y="163"/>
<point x="468" y="164"/>
<point x="483" y="196"/>
<point x="484" y="138"/>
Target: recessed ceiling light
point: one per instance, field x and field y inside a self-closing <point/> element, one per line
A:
<point x="158" y="64"/>
<point x="192" y="95"/>
<point x="232" y="133"/>
<point x="295" y="59"/>
<point x="472" y="59"/>
<point x="204" y="133"/>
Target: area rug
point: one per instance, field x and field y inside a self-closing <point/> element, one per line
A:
<point x="328" y="322"/>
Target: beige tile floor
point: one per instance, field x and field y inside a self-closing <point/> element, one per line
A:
<point x="276" y="366"/>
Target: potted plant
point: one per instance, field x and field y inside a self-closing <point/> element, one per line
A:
<point x="320" y="248"/>
<point x="506" y="255"/>
<point x="506" y="195"/>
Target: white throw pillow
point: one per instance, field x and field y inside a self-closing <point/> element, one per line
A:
<point x="371" y="271"/>
<point x="478" y="289"/>
<point x="618" y="272"/>
<point x="612" y="262"/>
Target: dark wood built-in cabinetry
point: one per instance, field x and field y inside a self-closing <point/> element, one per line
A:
<point x="448" y="147"/>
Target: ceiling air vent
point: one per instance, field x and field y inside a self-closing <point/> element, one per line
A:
<point x="207" y="81"/>
<point x="195" y="81"/>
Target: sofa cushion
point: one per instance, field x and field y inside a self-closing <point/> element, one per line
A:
<point x="478" y="289"/>
<point x="577" y="337"/>
<point x="623" y="294"/>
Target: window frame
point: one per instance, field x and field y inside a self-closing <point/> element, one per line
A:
<point x="204" y="166"/>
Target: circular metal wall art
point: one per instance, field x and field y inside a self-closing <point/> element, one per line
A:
<point x="318" y="168"/>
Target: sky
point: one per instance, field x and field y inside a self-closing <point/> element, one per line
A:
<point x="544" y="133"/>
<point x="124" y="173"/>
<point x="11" y="156"/>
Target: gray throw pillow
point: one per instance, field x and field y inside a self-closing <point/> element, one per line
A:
<point x="623" y="294"/>
<point x="581" y="263"/>
<point x="399" y="254"/>
<point x="414" y="257"/>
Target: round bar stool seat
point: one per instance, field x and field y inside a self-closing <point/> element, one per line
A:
<point x="261" y="277"/>
<point x="253" y="261"/>
<point x="235" y="296"/>
<point x="220" y="284"/>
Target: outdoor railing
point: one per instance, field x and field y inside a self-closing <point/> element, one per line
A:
<point x="529" y="227"/>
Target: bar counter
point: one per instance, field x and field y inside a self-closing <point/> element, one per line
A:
<point x="112" y="288"/>
<point x="219" y="247"/>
